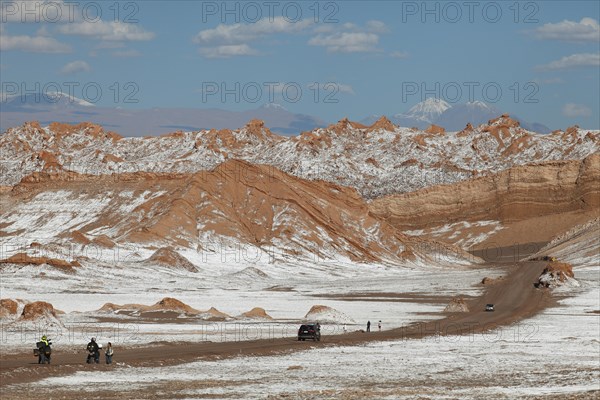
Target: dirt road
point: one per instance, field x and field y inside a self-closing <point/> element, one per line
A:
<point x="515" y="298"/>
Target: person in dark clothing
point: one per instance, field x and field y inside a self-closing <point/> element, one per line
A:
<point x="44" y="350"/>
<point x="368" y="326"/>
<point x="93" y="352"/>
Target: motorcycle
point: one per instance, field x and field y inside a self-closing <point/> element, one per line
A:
<point x="43" y="352"/>
<point x="93" y="357"/>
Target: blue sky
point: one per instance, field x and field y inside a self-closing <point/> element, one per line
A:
<point x="539" y="60"/>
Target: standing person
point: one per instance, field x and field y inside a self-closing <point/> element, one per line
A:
<point x="108" y="353"/>
<point x="344" y="328"/>
<point x="93" y="352"/>
<point x="379" y="325"/>
<point x="368" y="326"/>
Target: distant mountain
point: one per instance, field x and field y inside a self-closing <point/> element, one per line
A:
<point x="452" y="117"/>
<point x="427" y="111"/>
<point x="60" y="107"/>
<point x="40" y="101"/>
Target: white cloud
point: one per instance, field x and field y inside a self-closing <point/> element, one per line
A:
<point x="377" y="26"/>
<point x="226" y="41"/>
<point x="236" y="39"/>
<point x="573" y="61"/>
<point x="227" y="51"/>
<point x="347" y="42"/>
<point x="576" y="110"/>
<point x="126" y="53"/>
<point x="351" y="38"/>
<point x="32" y="44"/>
<point x="345" y="88"/>
<point x="586" y="30"/>
<point x="107" y="31"/>
<point x="244" y="33"/>
<point x="75" y="67"/>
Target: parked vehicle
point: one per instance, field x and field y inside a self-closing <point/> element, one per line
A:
<point x="489" y="307"/>
<point x="310" y="331"/>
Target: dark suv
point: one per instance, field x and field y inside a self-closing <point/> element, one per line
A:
<point x="309" y="331"/>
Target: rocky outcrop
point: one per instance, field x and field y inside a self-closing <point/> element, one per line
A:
<point x="256" y="313"/>
<point x="23" y="258"/>
<point x="39" y="314"/>
<point x="557" y="274"/>
<point x="169" y="258"/>
<point x="321" y="314"/>
<point x="516" y="194"/>
<point x="165" y="306"/>
<point x="8" y="308"/>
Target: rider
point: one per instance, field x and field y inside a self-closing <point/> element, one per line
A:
<point x="93" y="351"/>
<point x="44" y="350"/>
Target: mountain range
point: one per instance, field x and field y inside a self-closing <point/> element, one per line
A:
<point x="453" y="117"/>
<point x="376" y="160"/>
<point x="60" y="107"/>
<point x="346" y="193"/>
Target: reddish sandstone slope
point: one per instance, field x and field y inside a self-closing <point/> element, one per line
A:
<point x="237" y="203"/>
<point x="524" y="204"/>
<point x="579" y="246"/>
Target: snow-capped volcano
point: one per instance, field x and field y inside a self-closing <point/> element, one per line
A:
<point x="427" y="111"/>
<point x="273" y="106"/>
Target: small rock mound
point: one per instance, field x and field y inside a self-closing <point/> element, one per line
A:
<point x="168" y="257"/>
<point x="171" y="304"/>
<point x="168" y="304"/>
<point x="457" y="304"/>
<point x="40" y="313"/>
<point x="37" y="309"/>
<point x="110" y="308"/>
<point x="23" y="258"/>
<point x="214" y="315"/>
<point x="257" y="313"/>
<point x="8" y="308"/>
<point x="557" y="274"/>
<point x="322" y="313"/>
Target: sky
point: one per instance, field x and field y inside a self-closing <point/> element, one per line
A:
<point x="331" y="59"/>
